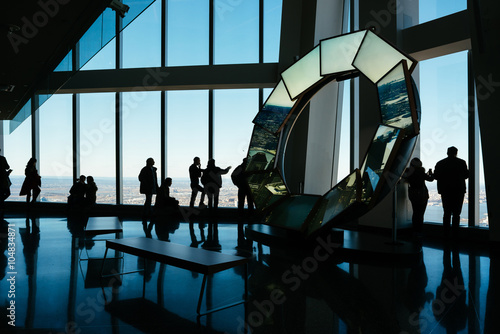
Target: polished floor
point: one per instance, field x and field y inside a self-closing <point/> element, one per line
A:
<point x="48" y="286"/>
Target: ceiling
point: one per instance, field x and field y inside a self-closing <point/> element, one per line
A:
<point x="35" y="36"/>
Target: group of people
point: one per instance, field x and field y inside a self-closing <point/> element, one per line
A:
<point x="206" y="181"/>
<point x="83" y="194"/>
<point x="450" y="174"/>
<point x="31" y="184"/>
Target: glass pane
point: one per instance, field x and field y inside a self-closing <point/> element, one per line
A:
<point x="56" y="150"/>
<point x="66" y="63"/>
<point x="104" y="59"/>
<point x="187" y="32"/>
<point x="344" y="166"/>
<point x="336" y="201"/>
<point x="431" y="9"/>
<point x="236" y="32"/>
<point x="337" y="54"/>
<point x="141" y="140"/>
<point x="377" y="159"/>
<point x="395" y="106"/>
<point x="272" y="30"/>
<point x="98" y="35"/>
<point x="483" y="209"/>
<point x="376" y="57"/>
<point x="303" y="74"/>
<point x="17" y="151"/>
<point x="142" y="39"/>
<point x="291" y="212"/>
<point x="444" y="99"/>
<point x="232" y="132"/>
<point x="97" y="143"/>
<point x="187" y="137"/>
<point x="275" y="110"/>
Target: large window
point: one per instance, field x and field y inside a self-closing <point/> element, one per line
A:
<point x="17" y="151"/>
<point x="187" y="32"/>
<point x="56" y="151"/>
<point x="234" y="111"/>
<point x="142" y="39"/>
<point x="236" y="30"/>
<point x="140" y="140"/>
<point x="431" y="9"/>
<point x="97" y="143"/>
<point x="272" y="30"/>
<point x="443" y="94"/>
<point x="187" y="137"/>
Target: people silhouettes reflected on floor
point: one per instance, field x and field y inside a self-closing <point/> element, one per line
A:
<point x="239" y="178"/>
<point x="195" y="173"/>
<point x="451" y="174"/>
<point x="77" y="192"/>
<point x="212" y="181"/>
<point x="4" y="181"/>
<point x="32" y="182"/>
<point x="449" y="307"/>
<point x="91" y="192"/>
<point x="418" y="193"/>
<point x="148" y="185"/>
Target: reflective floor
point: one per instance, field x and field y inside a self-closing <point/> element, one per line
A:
<point x="47" y="285"/>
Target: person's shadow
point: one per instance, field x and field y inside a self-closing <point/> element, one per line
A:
<point x="449" y="307"/>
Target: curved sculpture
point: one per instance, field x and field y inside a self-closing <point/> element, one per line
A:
<point x="337" y="58"/>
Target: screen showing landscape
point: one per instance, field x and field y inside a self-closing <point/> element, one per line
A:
<point x="292" y="211"/>
<point x="262" y="151"/>
<point x="267" y="188"/>
<point x="275" y="110"/>
<point x="395" y="106"/>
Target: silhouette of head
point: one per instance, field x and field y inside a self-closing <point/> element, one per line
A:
<point x="31" y="162"/>
<point x="168" y="181"/>
<point x="416" y="162"/>
<point x="150" y="162"/>
<point x="82" y="178"/>
<point x="196" y="160"/>
<point x="211" y="163"/>
<point x="452" y="151"/>
<point x="90" y="179"/>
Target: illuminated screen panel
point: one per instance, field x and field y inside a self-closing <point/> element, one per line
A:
<point x="262" y="151"/>
<point x="275" y="110"/>
<point x="292" y="212"/>
<point x="378" y="158"/>
<point x="376" y="57"/>
<point x="303" y="74"/>
<point x="395" y="105"/>
<point x="267" y="188"/>
<point x="337" y="54"/>
<point x="335" y="201"/>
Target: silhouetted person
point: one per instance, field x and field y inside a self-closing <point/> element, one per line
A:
<point x="239" y="178"/>
<point x="194" y="176"/>
<point x="32" y="182"/>
<point x="163" y="199"/>
<point x="450" y="174"/>
<point x="91" y="191"/>
<point x="212" y="180"/>
<point x="4" y="181"/>
<point x="149" y="185"/>
<point x="418" y="193"/>
<point x="77" y="192"/>
<point x="450" y="307"/>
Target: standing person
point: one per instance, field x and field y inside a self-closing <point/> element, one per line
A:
<point x="149" y="184"/>
<point x="418" y="193"/>
<point x="4" y="180"/>
<point x="91" y="191"/>
<point x="238" y="176"/>
<point x="195" y="172"/>
<point x="451" y="174"/>
<point x="32" y="182"/>
<point x="212" y="180"/>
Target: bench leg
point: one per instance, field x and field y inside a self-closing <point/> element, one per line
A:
<point x="201" y="294"/>
<point x="104" y="260"/>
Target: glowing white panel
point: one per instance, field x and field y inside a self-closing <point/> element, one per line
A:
<point x="337" y="54"/>
<point x="303" y="74"/>
<point x="376" y="57"/>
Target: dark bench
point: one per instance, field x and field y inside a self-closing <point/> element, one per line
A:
<point x="194" y="259"/>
